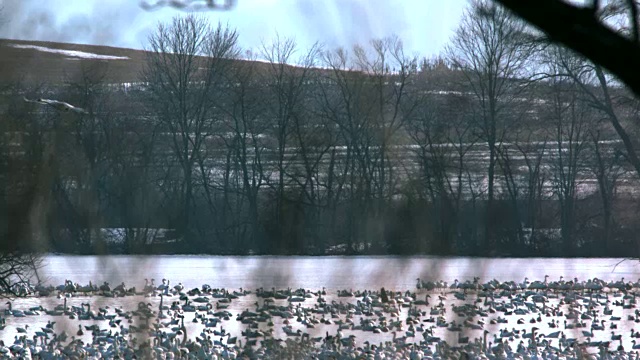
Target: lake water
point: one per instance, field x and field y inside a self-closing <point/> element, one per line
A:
<point x="371" y="272"/>
<point x="363" y="272"/>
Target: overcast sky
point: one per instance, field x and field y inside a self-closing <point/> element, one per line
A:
<point x="424" y="26"/>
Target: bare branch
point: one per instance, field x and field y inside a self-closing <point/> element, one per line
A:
<point x="578" y="29"/>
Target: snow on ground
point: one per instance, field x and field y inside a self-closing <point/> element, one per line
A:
<point x="73" y="53"/>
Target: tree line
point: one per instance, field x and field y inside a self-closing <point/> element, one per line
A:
<point x="505" y="145"/>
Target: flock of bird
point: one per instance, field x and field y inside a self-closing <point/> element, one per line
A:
<point x="564" y="319"/>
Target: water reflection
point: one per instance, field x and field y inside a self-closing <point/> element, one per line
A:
<point x="363" y="272"/>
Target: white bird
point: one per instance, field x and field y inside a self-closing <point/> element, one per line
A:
<point x="58" y="105"/>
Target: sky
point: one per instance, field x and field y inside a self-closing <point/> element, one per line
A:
<point x="424" y="26"/>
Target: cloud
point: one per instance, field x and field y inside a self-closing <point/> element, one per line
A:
<point x="66" y="21"/>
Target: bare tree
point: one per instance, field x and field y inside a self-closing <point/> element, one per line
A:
<point x="513" y="186"/>
<point x="606" y="164"/>
<point x="390" y="73"/>
<point x="612" y="30"/>
<point x="49" y="142"/>
<point x="442" y="141"/>
<point x="81" y="189"/>
<point x="603" y="98"/>
<point x="184" y="70"/>
<point x="3" y="19"/>
<point x="533" y="150"/>
<point x="245" y="123"/>
<point x="343" y="103"/>
<point x="490" y="50"/>
<point x="571" y="117"/>
<point x="25" y="194"/>
<point x="130" y="188"/>
<point x="287" y="84"/>
<point x="315" y="139"/>
<point x="26" y="179"/>
<point x="363" y="94"/>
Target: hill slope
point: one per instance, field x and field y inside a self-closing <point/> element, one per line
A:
<point x="37" y="62"/>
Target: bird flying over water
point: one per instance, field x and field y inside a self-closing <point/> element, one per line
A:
<point x="58" y="105"/>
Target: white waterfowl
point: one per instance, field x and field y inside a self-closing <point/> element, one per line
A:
<point x="58" y="105"/>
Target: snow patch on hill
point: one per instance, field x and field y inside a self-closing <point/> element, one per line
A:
<point x="73" y="53"/>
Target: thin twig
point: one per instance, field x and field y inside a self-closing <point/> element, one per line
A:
<point x="620" y="262"/>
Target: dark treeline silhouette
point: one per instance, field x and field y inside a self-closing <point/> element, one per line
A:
<point x="507" y="146"/>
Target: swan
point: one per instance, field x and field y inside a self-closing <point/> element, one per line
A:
<point x="120" y="288"/>
<point x="201" y="299"/>
<point x="164" y="287"/>
<point x="87" y="289"/>
<point x="22" y="330"/>
<point x="295" y="299"/>
<point x="178" y="288"/>
<point x="231" y="340"/>
<point x="187" y="307"/>
<point x="89" y="313"/>
<point x="15" y="313"/>
<point x="58" y="105"/>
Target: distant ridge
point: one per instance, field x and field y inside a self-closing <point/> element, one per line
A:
<point x="43" y="62"/>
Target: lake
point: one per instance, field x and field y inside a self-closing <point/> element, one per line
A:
<point x="332" y="272"/>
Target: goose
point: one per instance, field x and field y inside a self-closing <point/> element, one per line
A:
<point x="58" y="105"/>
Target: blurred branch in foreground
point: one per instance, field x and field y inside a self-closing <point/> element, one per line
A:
<point x="580" y="29"/>
<point x="17" y="272"/>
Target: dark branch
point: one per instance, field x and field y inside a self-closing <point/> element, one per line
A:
<point x="578" y="29"/>
<point x="634" y="19"/>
